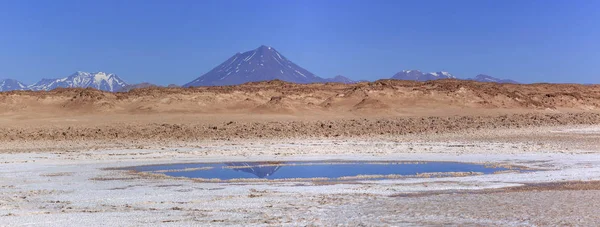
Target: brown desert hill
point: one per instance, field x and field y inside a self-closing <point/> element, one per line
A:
<point x="89" y="99"/>
<point x="277" y="109"/>
<point x="277" y="104"/>
<point x="136" y="86"/>
<point x="288" y="98"/>
<point x="371" y="104"/>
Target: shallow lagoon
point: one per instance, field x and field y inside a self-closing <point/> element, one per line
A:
<point x="338" y="170"/>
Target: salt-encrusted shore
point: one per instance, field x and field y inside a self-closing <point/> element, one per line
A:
<point x="84" y="188"/>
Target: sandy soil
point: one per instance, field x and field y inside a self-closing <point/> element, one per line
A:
<point x="59" y="151"/>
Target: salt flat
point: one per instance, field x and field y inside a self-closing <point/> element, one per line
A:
<point x="76" y="188"/>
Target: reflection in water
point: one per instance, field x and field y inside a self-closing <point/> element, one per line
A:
<point x="257" y="168"/>
<point x="344" y="170"/>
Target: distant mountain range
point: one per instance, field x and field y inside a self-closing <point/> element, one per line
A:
<point x="98" y="80"/>
<point x="417" y="75"/>
<point x="12" y="85"/>
<point x="261" y="64"/>
<point x="486" y="78"/>
<point x="420" y="76"/>
<point x="340" y="79"/>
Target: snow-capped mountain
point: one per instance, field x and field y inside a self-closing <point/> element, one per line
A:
<point x="261" y="64"/>
<point x="439" y="75"/>
<point x="486" y="78"/>
<point x="420" y="76"/>
<point x="12" y="85"/>
<point x="98" y="80"/>
<point x="408" y="75"/>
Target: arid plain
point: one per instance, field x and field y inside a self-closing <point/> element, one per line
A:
<point x="60" y="153"/>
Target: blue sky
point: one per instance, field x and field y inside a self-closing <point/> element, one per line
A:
<point x="177" y="41"/>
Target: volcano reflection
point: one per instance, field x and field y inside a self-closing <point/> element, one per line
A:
<point x="260" y="169"/>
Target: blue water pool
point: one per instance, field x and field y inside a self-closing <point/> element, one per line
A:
<point x="322" y="169"/>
